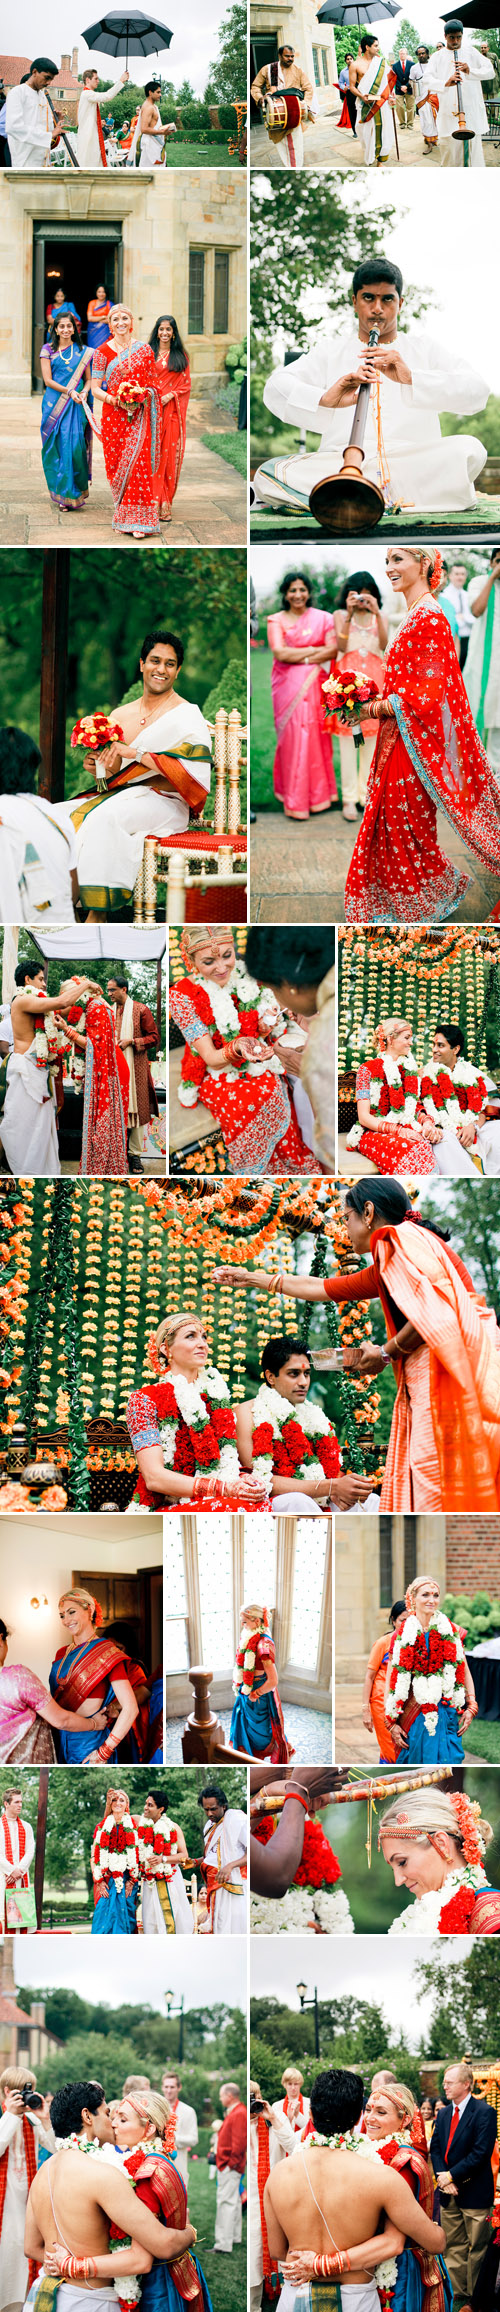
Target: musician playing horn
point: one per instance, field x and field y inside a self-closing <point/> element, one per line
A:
<point x="285" y="72"/>
<point x="461" y="59"/>
<point x="412" y="378"/>
<point x="375" y="103"/>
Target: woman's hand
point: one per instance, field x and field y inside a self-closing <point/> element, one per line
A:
<point x="54" y="2260"/>
<point x="367" y="1719"/>
<point x="247" y="1048"/>
<point x="371" y="1360"/>
<point x="249" y="1487"/>
<point x="241" y="1277"/>
<point x="299" y="2265"/>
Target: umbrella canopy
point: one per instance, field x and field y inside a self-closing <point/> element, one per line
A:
<point x="126" y="32"/>
<point x="482" y="15"/>
<point x="351" y="11"/>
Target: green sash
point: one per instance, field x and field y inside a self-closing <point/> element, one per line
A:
<point x="367" y="102"/>
<point x="485" y="675"/>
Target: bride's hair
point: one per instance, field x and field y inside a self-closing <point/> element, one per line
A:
<point x="164" y="1336"/>
<point x="421" y="1813"/>
<point x="152" y="2108"/>
<point x="398" y="2093"/>
<point x="388" y="1028"/>
<point x="84" y="1598"/>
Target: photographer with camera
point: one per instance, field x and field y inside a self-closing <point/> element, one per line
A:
<point x="271" y="2139"/>
<point x="25" y="2132"/>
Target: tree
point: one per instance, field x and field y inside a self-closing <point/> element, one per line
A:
<point x="406" y="37"/>
<point x="465" y="2003"/>
<point x="474" y="1222"/>
<point x="311" y="235"/>
<point x="485" y="423"/>
<point x="228" y="76"/>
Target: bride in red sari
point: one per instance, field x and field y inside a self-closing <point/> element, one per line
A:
<point x="173" y="378"/>
<point x="428" y="757"/>
<point x="106" y="1086"/>
<point x="130" y="435"/>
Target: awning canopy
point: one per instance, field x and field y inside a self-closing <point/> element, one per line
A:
<point x="94" y="941"/>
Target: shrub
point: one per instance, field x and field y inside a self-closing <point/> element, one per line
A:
<point x="230" y="691"/>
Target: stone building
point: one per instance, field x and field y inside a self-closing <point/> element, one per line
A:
<point x="166" y="242"/>
<point x="375" y="1559"/>
<point x="272" y="22"/>
<point x="23" y="2038"/>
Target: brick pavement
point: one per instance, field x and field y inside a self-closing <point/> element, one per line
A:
<point x="209" y="510"/>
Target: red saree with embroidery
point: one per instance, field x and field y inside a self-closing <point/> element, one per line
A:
<point x="106" y="1095"/>
<point x="176" y="385"/>
<point x="131" y="446"/>
<point x="428" y="757"/>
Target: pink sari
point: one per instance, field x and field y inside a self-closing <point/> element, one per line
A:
<point x="304" y="777"/>
<point x="23" y="1734"/>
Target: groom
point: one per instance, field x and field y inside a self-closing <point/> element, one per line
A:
<point x="324" y="2201"/>
<point x="453" y="1095"/>
<point x="286" y="1371"/>
<point x="154" y="778"/>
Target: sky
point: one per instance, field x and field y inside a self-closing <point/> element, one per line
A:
<point x="193" y="48"/>
<point x="360" y="1970"/>
<point x="269" y="563"/>
<point x="425" y="17"/>
<point x="444" y="248"/>
<point x="118" y="1971"/>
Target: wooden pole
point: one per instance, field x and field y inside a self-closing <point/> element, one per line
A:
<point x="55" y="608"/>
<point x="41" y="1833"/>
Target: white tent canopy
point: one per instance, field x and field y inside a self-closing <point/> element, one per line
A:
<point x="95" y="941"/>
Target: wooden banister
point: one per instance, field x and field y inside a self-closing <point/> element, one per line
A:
<point x="203" y="1740"/>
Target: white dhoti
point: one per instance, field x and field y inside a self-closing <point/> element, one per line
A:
<point x="452" y="152"/>
<point x="110" y="844"/>
<point x="452" y="1159"/>
<point x="228" y="2224"/>
<point x="289" y="153"/>
<point x="153" y="1918"/>
<point x="28" y="1127"/>
<point x="298" y="1505"/>
<point x="377" y="135"/>
<point x="364" y="2299"/>
<point x="435" y="479"/>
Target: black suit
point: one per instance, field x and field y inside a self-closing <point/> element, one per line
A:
<point x="465" y="2216"/>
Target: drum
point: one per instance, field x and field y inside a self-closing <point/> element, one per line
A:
<point x="284" y="110"/>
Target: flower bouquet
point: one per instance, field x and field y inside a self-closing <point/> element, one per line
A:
<point x="344" y="695"/>
<point x="94" y="731"/>
<point x="128" y="398"/>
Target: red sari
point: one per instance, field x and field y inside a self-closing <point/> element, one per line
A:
<point x="105" y="1096"/>
<point x="427" y="758"/>
<point x="177" y="384"/>
<point x="131" y="447"/>
<point x="255" y="1113"/>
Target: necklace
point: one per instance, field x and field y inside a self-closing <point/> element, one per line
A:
<point x="153" y="715"/>
<point x="66" y="357"/>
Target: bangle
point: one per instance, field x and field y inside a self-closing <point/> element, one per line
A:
<point x="276" y="1281"/>
<point x="327" y="2267"/>
<point x="301" y="1801"/>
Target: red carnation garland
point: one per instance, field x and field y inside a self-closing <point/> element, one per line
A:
<point x="318" y="1867"/>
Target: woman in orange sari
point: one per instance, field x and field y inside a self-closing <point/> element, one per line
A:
<point x="374" y="1688"/>
<point x="444" y="1343"/>
<point x="173" y="378"/>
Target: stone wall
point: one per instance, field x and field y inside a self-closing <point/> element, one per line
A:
<point x="162" y="215"/>
<point x="359" y="1617"/>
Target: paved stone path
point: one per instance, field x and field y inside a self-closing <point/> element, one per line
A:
<point x="328" y="147"/>
<point x="209" y="510"/>
<point x="298" y="870"/>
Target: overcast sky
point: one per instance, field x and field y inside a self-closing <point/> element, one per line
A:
<point x="269" y="563"/>
<point x="124" y="1971"/>
<point x="443" y="245"/>
<point x="425" y="17"/>
<point x="359" y="1969"/>
<point x="193" y="48"/>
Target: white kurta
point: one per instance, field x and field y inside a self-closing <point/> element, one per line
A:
<point x="424" y="83"/>
<point x="186" y="2136"/>
<point x="28" y="1127"/>
<point x="473" y="105"/>
<point x="366" y="130"/>
<point x="29" y="127"/>
<point x="14" y="2268"/>
<point x="473" y="671"/>
<point x="88" y="151"/>
<point x="297" y="2125"/>
<point x="229" y="1837"/>
<point x="152" y="1915"/>
<point x="427" y="472"/>
<point x="36" y="861"/>
<point x="281" y="2142"/>
<point x="110" y="843"/>
<point x="451" y="1159"/>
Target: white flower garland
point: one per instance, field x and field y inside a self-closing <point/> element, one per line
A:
<point x="189" y="1397"/>
<point x="294" y="1913"/>
<point x="428" y="1691"/>
<point x="422" y="1917"/>
<point x="120" y="1863"/>
<point x="463" y="1073"/>
<point x="269" y="1406"/>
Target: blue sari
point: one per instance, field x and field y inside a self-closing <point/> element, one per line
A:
<point x="445" y="1747"/>
<point x="65" y="431"/>
<point x="72" y="1748"/>
<point x="257" y="1726"/>
<point x="115" y="1913"/>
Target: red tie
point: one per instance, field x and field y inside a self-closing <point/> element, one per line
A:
<point x="454" y="2125"/>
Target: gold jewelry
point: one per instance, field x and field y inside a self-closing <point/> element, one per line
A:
<point x="276" y="1281"/>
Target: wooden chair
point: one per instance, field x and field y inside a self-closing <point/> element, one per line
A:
<point x="211" y="858"/>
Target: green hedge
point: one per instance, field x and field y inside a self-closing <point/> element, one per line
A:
<point x="478" y="1616"/>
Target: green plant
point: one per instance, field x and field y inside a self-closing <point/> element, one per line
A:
<point x="230" y="691"/>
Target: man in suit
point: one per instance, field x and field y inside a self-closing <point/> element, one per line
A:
<point x="460" y="2151"/>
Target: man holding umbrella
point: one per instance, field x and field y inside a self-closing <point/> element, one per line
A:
<point x="90" y="146"/>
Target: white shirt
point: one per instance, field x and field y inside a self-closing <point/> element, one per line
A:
<point x="36" y="861"/>
<point x="480" y="68"/>
<point x="29" y="127"/>
<point x="458" y="598"/>
<point x="88" y="151"/>
<point x="186" y="2135"/>
<point x="440" y="380"/>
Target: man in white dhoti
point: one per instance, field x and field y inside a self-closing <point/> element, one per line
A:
<point x="412" y="378"/>
<point x="460" y="56"/>
<point x="286" y="71"/>
<point x="29" y="123"/>
<point x="482" y="669"/>
<point x="17" y="1848"/>
<point x="426" y="105"/>
<point x="224" y="1865"/>
<point x="38" y="873"/>
<point x="324" y="2207"/>
<point x="162" y="1848"/>
<point x="376" y="105"/>
<point x="90" y="145"/>
<point x="152" y="779"/>
<point x="29" y="1129"/>
<point x="22" y="2131"/>
<point x="150" y="131"/>
<point x="453" y="1095"/>
<point x="186" y="2124"/>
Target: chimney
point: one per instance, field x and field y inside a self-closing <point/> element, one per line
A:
<point x="65" y="63"/>
<point x="74" y="62"/>
<point x="38" y="2013"/>
<point x="7" y="1984"/>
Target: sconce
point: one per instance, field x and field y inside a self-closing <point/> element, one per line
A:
<point x="36" y="1603"/>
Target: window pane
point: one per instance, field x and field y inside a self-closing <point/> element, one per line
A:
<point x="410" y="1533"/>
<point x="215" y="1574"/>
<point x="326" y="72"/>
<point x="175" y="1646"/>
<point x="221" y="292"/>
<point x="260" y="1559"/>
<point x="385" y="1560"/>
<point x="196" y="315"/>
<point x="310" y="1554"/>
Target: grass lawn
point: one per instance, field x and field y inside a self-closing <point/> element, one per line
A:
<point x="301" y="528"/>
<point x="482" y="1740"/>
<point x="181" y="155"/>
<point x="226" y="2276"/>
<point x="263" y="735"/>
<point x="230" y="446"/>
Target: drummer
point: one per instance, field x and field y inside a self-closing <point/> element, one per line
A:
<point x="286" y="72"/>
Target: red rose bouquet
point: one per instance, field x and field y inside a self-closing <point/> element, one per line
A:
<point x="94" y="731"/>
<point x="128" y="398"/>
<point x="345" y="695"/>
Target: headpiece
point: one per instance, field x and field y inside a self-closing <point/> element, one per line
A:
<point x="119" y="308"/>
<point x="432" y="556"/>
<point x="421" y="1826"/>
<point x="205" y="936"/>
<point x="85" y="1599"/>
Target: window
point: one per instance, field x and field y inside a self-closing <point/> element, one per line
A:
<point x="175" y="1638"/>
<point x="196" y="314"/>
<point x="310" y="1554"/>
<point x="215" y="1575"/>
<point x="385" y="1560"/>
<point x="317" y="67"/>
<point x="260" y="1558"/>
<point x="325" y="59"/>
<point x="410" y="1538"/>
<point x="221" y="292"/>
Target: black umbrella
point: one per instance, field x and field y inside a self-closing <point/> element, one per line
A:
<point x="482" y="15"/>
<point x="351" y="11"/>
<point x="126" y="32"/>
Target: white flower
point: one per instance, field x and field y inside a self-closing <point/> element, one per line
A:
<point x="214" y="1386"/>
<point x="423" y="1916"/>
<point x="385" y="2275"/>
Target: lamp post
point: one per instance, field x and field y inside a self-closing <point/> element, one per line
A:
<point x="307" y="2006"/>
<point x="169" y="1997"/>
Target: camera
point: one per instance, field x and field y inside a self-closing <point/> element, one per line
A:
<point x="256" y="2104"/>
<point x="32" y="2102"/>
